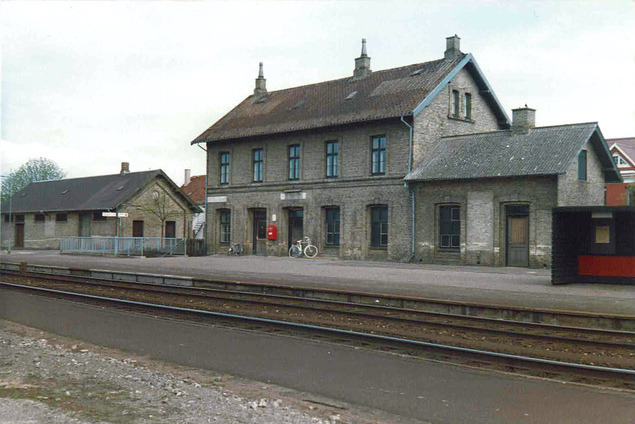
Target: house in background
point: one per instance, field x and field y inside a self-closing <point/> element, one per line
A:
<point x="418" y="162"/>
<point x="623" y="152"/>
<point x="195" y="188"/>
<point x="43" y="212"/>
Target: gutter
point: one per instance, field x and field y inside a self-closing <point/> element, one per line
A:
<point x="412" y="192"/>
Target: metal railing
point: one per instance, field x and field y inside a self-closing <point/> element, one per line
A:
<point x="129" y="246"/>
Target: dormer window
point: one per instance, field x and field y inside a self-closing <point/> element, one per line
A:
<point x="351" y="95"/>
<point x="619" y="161"/>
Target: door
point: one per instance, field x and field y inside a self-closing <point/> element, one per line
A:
<point x="296" y="225"/>
<point x="170" y="229"/>
<point x="518" y="236"/>
<point x="19" y="234"/>
<point x="137" y="229"/>
<point x="259" y="232"/>
<point x="85" y="222"/>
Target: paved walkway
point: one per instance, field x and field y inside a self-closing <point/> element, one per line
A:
<point x="501" y="286"/>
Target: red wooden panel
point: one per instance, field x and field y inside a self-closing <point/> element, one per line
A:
<point x="607" y="266"/>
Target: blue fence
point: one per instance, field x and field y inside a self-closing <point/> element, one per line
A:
<point x="130" y="246"/>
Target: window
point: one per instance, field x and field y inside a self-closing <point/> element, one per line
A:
<point x="378" y="157"/>
<point x="224" y="168"/>
<point x="225" y="226"/>
<point x="332" y="152"/>
<point x="619" y="160"/>
<point x="98" y="216"/>
<point x="294" y="162"/>
<point x="450" y="227"/>
<point x="61" y="217"/>
<point x="582" y="165"/>
<point x="379" y="226"/>
<point x="455" y="104"/>
<point x="332" y="226"/>
<point x="19" y="218"/>
<point x="39" y="217"/>
<point x="258" y="163"/>
<point x="468" y="106"/>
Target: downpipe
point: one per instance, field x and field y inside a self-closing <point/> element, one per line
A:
<point x="412" y="192"/>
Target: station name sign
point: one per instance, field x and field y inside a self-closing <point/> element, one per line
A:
<point x="115" y="214"/>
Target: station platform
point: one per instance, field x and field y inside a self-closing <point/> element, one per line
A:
<point x="513" y="287"/>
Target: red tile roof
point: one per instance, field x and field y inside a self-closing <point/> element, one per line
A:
<point x="626" y="144"/>
<point x="196" y="189"/>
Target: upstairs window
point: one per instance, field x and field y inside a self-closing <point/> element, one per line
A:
<point x="332" y="153"/>
<point x="294" y="162"/>
<point x="450" y="227"/>
<point x="224" y="168"/>
<point x="258" y="165"/>
<point x="333" y="226"/>
<point x="454" y="108"/>
<point x="378" y="156"/>
<point x="468" y="106"/>
<point x="582" y="165"/>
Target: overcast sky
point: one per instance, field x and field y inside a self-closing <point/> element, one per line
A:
<point x="92" y="84"/>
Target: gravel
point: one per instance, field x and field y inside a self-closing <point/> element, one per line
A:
<point x="45" y="378"/>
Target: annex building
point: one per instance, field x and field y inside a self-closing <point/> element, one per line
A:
<point x="44" y="212"/>
<point x="416" y="163"/>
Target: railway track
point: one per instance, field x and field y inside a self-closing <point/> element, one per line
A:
<point x="576" y="354"/>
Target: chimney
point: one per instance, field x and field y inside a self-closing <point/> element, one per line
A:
<point x="523" y="120"/>
<point x="362" y="63"/>
<point x="453" y="47"/>
<point x="188" y="174"/>
<point x="125" y="168"/>
<point x="261" y="83"/>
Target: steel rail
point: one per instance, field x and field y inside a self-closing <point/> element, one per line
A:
<point x="205" y="293"/>
<point x="523" y="359"/>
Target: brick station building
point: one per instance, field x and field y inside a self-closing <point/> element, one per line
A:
<point x="416" y="163"/>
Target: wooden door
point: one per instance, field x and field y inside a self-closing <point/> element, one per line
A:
<point x="518" y="241"/>
<point x="137" y="229"/>
<point x="170" y="229"/>
<point x="19" y="235"/>
<point x="296" y="225"/>
<point x="259" y="232"/>
<point x="85" y="222"/>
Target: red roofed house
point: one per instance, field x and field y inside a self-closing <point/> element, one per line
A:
<point x="195" y="188"/>
<point x="623" y="152"/>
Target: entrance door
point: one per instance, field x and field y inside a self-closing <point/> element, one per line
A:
<point x="137" y="228"/>
<point x="170" y="229"/>
<point x="19" y="235"/>
<point x="259" y="232"/>
<point x="518" y="236"/>
<point x="85" y="221"/>
<point x="296" y="225"/>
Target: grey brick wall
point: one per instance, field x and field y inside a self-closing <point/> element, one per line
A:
<point x="483" y="208"/>
<point x="575" y="192"/>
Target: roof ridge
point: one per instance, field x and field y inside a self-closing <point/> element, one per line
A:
<point x="98" y="176"/>
<point x="350" y="77"/>
<point x="510" y="130"/>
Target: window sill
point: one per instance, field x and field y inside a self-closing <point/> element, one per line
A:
<point x="458" y="118"/>
<point x="378" y="247"/>
<point x="450" y="250"/>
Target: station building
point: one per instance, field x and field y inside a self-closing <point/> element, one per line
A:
<point x="416" y="163"/>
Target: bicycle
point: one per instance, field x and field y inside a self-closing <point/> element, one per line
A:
<point x="236" y="249"/>
<point x="296" y="250"/>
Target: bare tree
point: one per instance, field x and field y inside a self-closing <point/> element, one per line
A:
<point x="160" y="206"/>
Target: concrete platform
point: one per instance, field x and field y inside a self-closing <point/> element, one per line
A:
<point x="500" y="286"/>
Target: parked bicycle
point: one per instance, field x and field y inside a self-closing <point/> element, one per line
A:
<point x="236" y="249"/>
<point x="297" y="250"/>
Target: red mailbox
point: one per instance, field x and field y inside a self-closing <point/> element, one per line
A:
<point x="272" y="232"/>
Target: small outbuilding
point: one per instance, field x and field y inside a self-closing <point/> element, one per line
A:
<point x="593" y="244"/>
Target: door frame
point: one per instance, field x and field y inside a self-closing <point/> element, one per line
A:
<point x="257" y="215"/>
<point x="19" y="234"/>
<point x="290" y="222"/>
<point x="516" y="211"/>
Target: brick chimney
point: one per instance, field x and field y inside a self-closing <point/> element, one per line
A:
<point x="362" y="63"/>
<point x="125" y="168"/>
<point x="261" y="83"/>
<point x="523" y="120"/>
<point x="187" y="179"/>
<point x="452" y="47"/>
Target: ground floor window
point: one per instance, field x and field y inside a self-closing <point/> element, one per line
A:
<point x="332" y="226"/>
<point x="225" y="226"/>
<point x="61" y="217"/>
<point x="379" y="226"/>
<point x="39" y="217"/>
<point x="450" y="227"/>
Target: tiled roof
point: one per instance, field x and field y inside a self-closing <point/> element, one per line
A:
<point x="626" y="144"/>
<point x="542" y="151"/>
<point x="195" y="189"/>
<point x="103" y="192"/>
<point x="382" y="94"/>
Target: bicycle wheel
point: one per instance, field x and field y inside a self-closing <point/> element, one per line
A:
<point x="295" y="251"/>
<point x="311" y="251"/>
